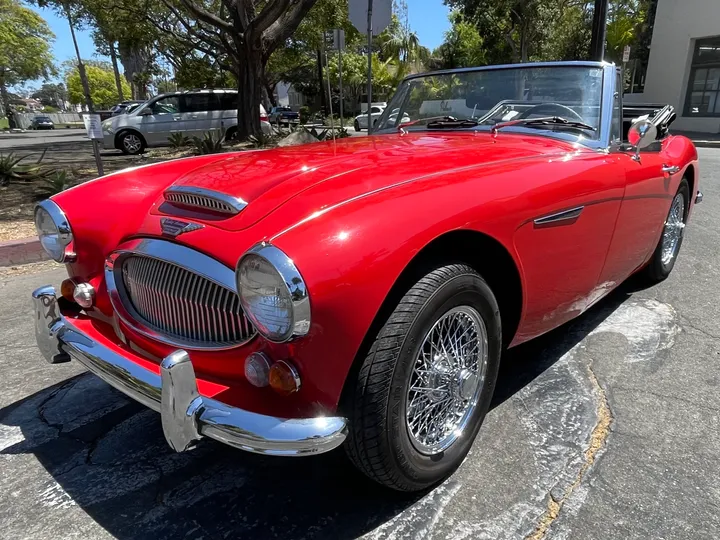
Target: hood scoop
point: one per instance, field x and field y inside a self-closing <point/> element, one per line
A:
<point x="203" y="200"/>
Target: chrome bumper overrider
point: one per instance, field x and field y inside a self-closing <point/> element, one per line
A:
<point x="186" y="415"/>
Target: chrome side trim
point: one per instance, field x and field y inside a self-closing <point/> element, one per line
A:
<point x="178" y="255"/>
<point x="186" y="415"/>
<point x="293" y="281"/>
<point x="64" y="230"/>
<point x="196" y="197"/>
<point x="566" y="217"/>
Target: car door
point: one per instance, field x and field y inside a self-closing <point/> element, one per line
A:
<point x="563" y="243"/>
<point x="228" y="109"/>
<point x="649" y="190"/>
<point x="196" y="113"/>
<point x="165" y="119"/>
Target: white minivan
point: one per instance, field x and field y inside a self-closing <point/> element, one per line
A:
<point x="191" y="113"/>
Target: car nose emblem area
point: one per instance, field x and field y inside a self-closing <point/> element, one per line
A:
<point x="175" y="227"/>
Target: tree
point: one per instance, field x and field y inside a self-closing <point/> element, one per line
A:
<point x="238" y="34"/>
<point x="24" y="47"/>
<point x="463" y="45"/>
<point x="401" y="46"/>
<point x="52" y="95"/>
<point x="101" y="83"/>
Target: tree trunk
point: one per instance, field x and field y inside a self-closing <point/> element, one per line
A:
<point x="250" y="77"/>
<point x="270" y="92"/>
<point x="81" y="65"/>
<point x="5" y="97"/>
<point x="113" y="57"/>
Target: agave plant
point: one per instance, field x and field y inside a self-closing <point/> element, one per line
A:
<point x="262" y="140"/>
<point x="11" y="168"/>
<point x="56" y="182"/>
<point x="178" y="140"/>
<point x="210" y="143"/>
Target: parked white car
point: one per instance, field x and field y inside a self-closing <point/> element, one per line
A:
<point x="375" y="113"/>
<point x="191" y="113"/>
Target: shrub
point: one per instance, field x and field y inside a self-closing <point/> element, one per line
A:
<point x="210" y="143"/>
<point x="178" y="140"/>
<point x="11" y="168"/>
<point x="304" y="113"/>
<point x="55" y="183"/>
<point x="261" y="140"/>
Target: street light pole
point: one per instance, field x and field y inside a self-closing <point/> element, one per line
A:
<point x="597" y="41"/>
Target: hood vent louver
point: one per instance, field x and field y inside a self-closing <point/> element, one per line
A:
<point x="203" y="200"/>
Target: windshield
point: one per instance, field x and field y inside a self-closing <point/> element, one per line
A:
<point x="42" y="118"/>
<point x="490" y="96"/>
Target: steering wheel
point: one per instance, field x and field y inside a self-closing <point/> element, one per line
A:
<point x="555" y="109"/>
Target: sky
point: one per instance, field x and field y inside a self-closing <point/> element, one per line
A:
<point x="429" y="18"/>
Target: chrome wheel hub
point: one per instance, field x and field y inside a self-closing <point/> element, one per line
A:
<point x="132" y="142"/>
<point x="447" y="380"/>
<point x="673" y="231"/>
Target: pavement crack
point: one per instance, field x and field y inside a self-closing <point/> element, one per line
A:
<point x="693" y="325"/>
<point x="598" y="440"/>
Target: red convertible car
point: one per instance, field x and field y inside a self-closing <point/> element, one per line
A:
<point x="360" y="292"/>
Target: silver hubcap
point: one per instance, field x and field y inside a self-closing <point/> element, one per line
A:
<point x="673" y="229"/>
<point x="132" y="143"/>
<point x="447" y="380"/>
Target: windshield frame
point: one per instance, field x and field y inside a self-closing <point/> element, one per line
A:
<point x="606" y="103"/>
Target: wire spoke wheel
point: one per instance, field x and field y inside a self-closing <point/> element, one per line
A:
<point x="673" y="231"/>
<point x="447" y="380"/>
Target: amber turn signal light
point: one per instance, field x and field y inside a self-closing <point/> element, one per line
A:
<point x="67" y="289"/>
<point x="284" y="378"/>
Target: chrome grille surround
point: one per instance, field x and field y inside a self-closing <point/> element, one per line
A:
<point x="176" y="295"/>
<point x="203" y="199"/>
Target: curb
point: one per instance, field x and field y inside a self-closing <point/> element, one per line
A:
<point x="26" y="250"/>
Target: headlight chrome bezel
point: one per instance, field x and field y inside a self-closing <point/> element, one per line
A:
<point x="62" y="226"/>
<point x="294" y="283"/>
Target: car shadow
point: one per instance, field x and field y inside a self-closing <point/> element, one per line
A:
<point x="107" y="455"/>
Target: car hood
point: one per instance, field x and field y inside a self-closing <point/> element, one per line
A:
<point x="337" y="171"/>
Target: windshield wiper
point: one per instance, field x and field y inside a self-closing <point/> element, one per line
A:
<point x="439" y="121"/>
<point x="555" y="121"/>
<point x="454" y="123"/>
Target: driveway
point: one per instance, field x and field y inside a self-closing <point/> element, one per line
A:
<point x="605" y="428"/>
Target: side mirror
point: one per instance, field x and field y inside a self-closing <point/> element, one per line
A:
<point x="641" y="135"/>
<point x="146" y="112"/>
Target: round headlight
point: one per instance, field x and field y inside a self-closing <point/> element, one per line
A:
<point x="273" y="294"/>
<point x="54" y="231"/>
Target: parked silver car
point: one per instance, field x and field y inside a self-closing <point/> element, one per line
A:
<point x="191" y="113"/>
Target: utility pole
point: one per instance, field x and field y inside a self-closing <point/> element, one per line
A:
<point x="322" y="84"/>
<point x="597" y="41"/>
<point x="369" y="75"/>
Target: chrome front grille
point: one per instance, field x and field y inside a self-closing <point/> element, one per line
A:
<point x="183" y="305"/>
<point x="204" y="199"/>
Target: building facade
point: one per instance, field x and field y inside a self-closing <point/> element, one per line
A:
<point x="684" y="64"/>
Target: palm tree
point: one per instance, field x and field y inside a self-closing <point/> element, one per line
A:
<point x="401" y="47"/>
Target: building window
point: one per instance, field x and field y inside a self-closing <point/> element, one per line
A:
<point x="703" y="92"/>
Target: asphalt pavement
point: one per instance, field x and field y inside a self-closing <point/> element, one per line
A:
<point x="606" y="428"/>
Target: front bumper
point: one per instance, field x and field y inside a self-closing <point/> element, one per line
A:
<point x="186" y="415"/>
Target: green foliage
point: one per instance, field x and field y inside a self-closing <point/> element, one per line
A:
<point x="262" y="140"/>
<point x="51" y="95"/>
<point x="178" y="140"/>
<point x="304" y="113"/>
<point x="326" y="134"/>
<point x="202" y="72"/>
<point x="463" y="45"/>
<point x="13" y="169"/>
<point x="210" y="143"/>
<point x="24" y="46"/>
<point x="56" y="182"/>
<point x="103" y="90"/>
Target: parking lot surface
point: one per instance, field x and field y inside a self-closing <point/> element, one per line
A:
<point x="605" y="428"/>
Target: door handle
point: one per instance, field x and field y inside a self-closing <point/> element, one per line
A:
<point x="670" y="169"/>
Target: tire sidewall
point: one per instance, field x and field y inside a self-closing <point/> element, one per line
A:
<point x="465" y="289"/>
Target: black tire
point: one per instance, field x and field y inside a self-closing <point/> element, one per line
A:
<point x="357" y="125"/>
<point x="379" y="441"/>
<point x="658" y="269"/>
<point x="131" y="143"/>
<point x="231" y="134"/>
